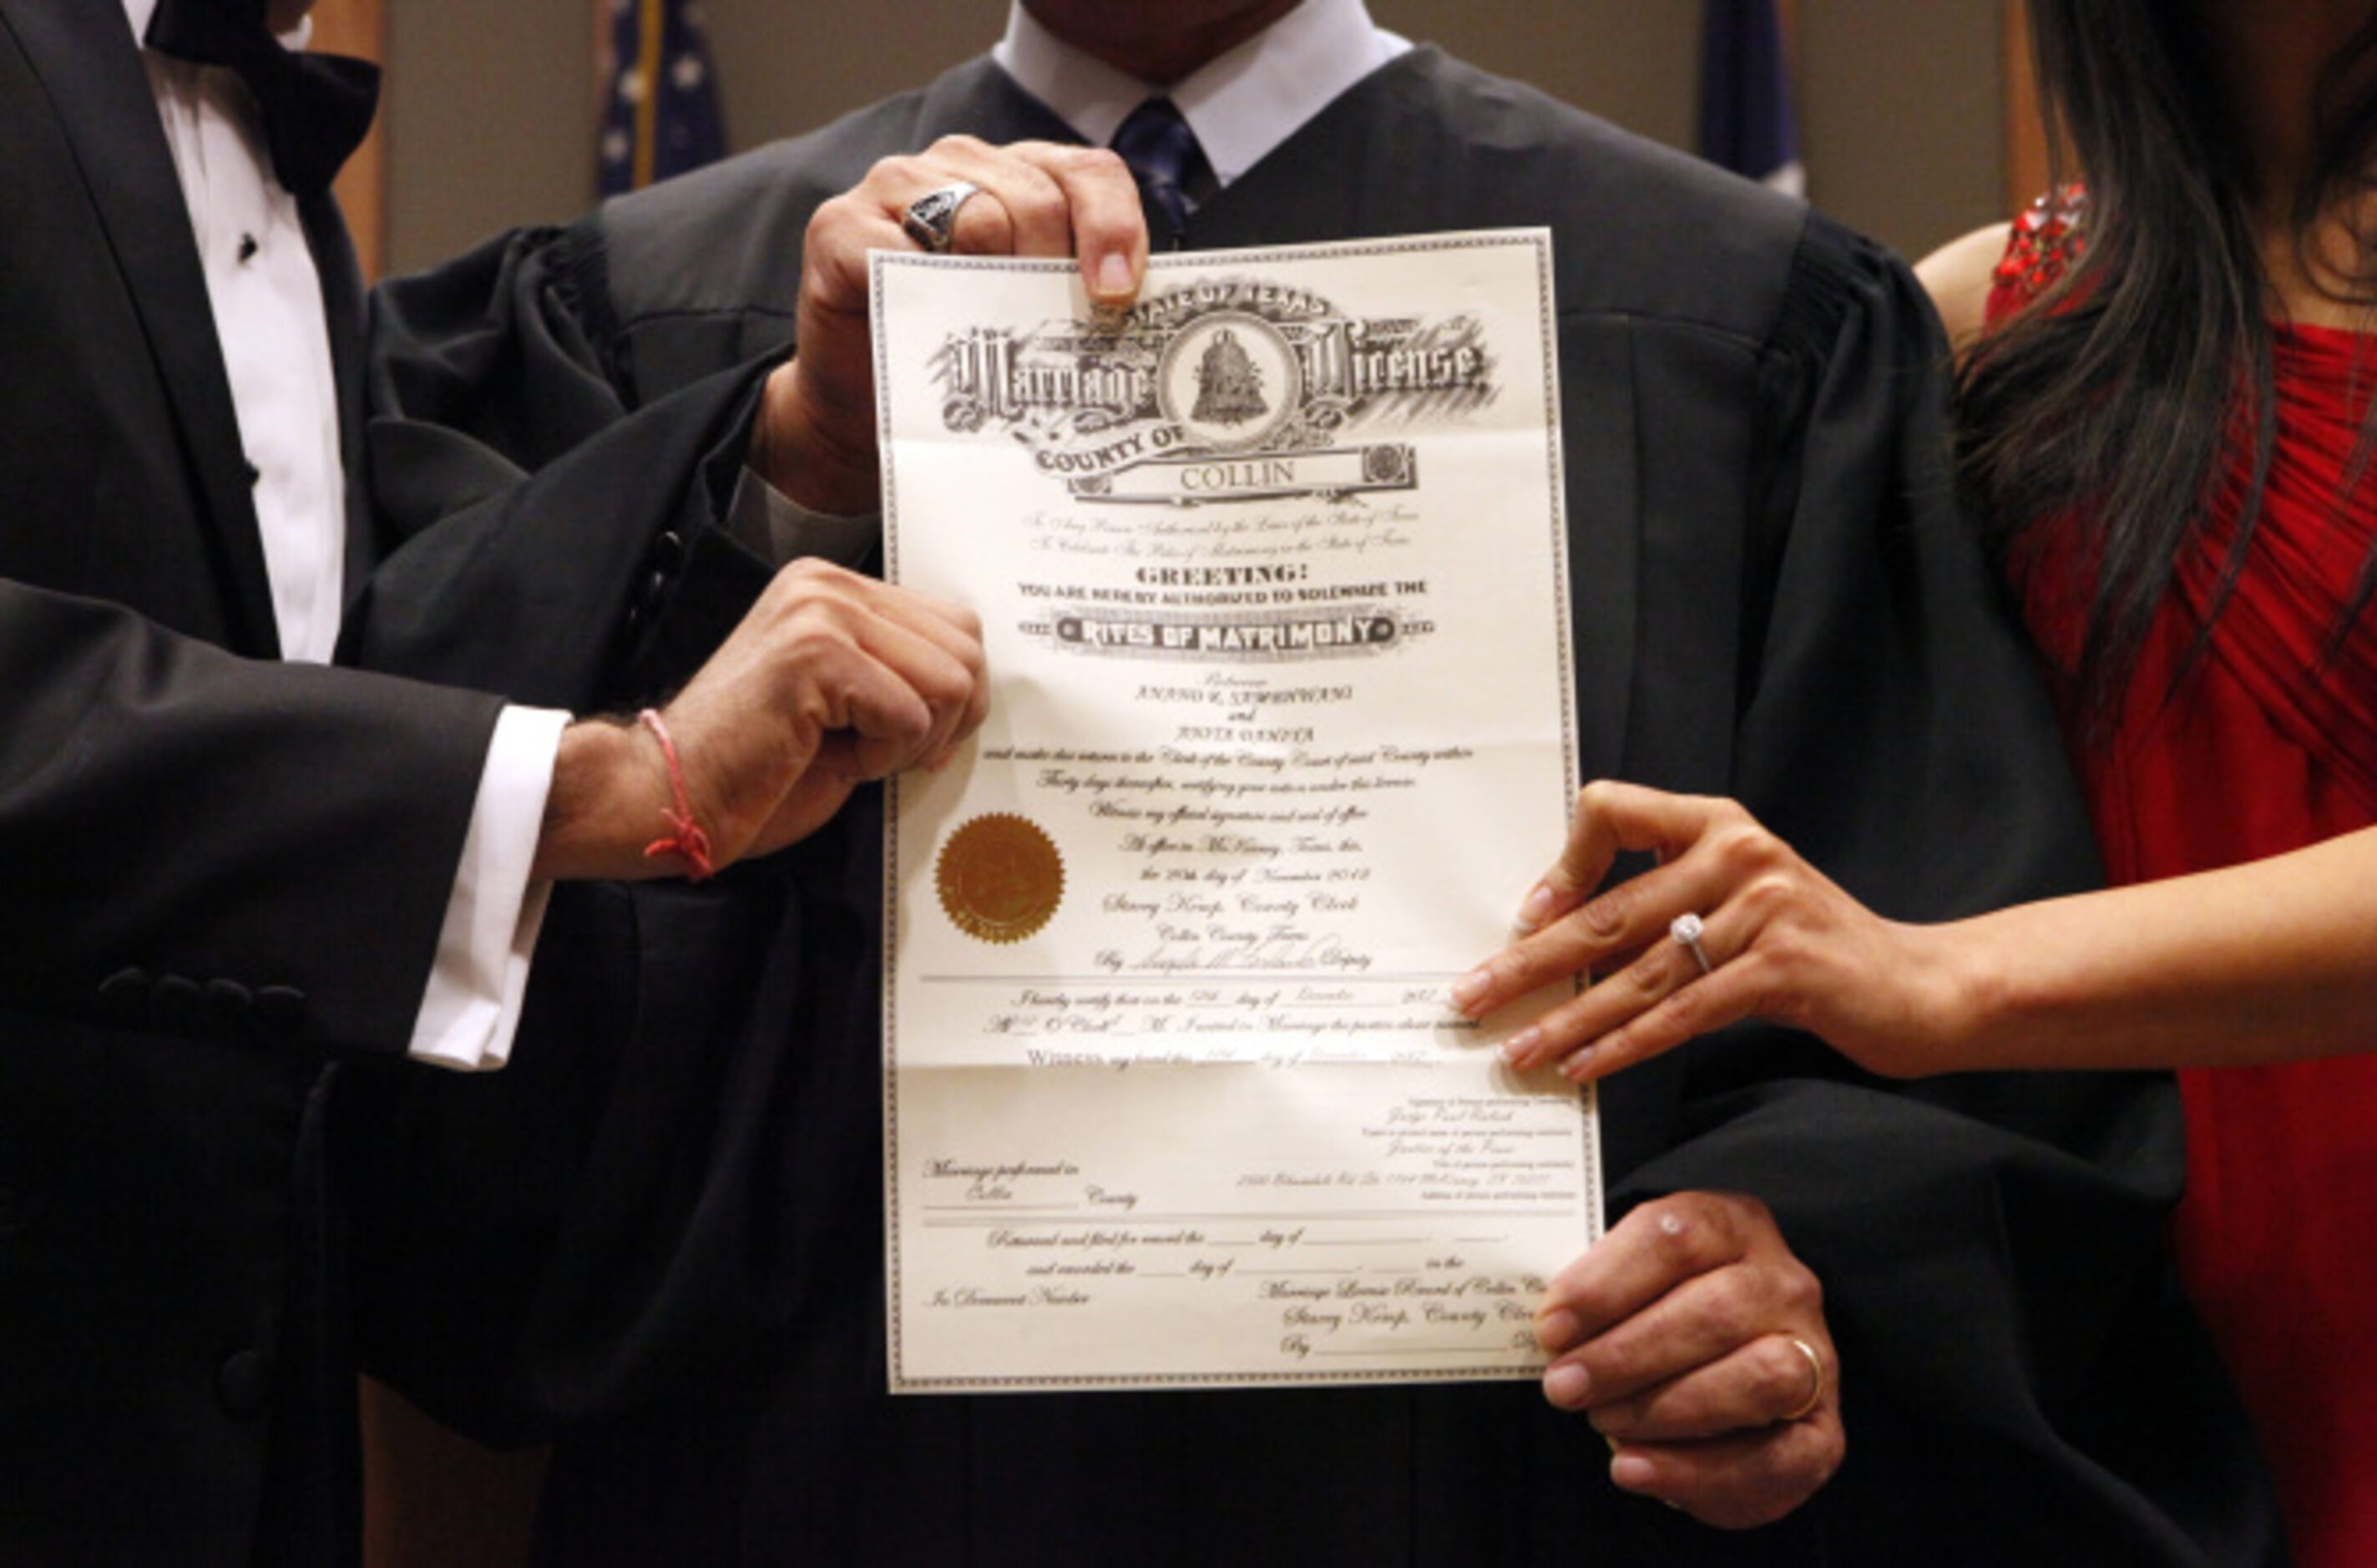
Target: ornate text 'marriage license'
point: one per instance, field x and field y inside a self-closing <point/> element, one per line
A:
<point x="1271" y="575"/>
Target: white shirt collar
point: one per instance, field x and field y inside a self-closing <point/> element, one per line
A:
<point x="140" y="11"/>
<point x="1241" y="104"/>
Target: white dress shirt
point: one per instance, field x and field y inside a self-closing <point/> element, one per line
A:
<point x="1242" y="105"/>
<point x="267" y="299"/>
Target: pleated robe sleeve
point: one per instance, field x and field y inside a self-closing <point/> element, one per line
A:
<point x="543" y="533"/>
<point x="538" y="534"/>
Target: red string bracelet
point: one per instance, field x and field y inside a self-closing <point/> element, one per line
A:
<point x="689" y="843"/>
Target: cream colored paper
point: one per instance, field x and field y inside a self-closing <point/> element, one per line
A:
<point x="1272" y="577"/>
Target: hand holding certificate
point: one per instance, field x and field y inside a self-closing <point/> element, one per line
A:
<point x="1272" y="577"/>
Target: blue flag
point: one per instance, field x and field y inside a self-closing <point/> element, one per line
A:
<point x="1747" y="124"/>
<point x="661" y="117"/>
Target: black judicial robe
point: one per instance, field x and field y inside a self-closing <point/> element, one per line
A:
<point x="220" y="873"/>
<point x="1775" y="598"/>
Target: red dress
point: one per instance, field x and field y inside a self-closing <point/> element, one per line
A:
<point x="2263" y="749"/>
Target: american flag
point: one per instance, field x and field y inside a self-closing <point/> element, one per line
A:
<point x="661" y="115"/>
<point x="1747" y="122"/>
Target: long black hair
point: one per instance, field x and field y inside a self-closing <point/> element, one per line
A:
<point x="2130" y="388"/>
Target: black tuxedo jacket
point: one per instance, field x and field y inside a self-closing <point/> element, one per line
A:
<point x="1775" y="598"/>
<point x="219" y="871"/>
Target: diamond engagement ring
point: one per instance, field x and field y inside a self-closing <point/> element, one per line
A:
<point x="930" y="217"/>
<point x="1688" y="931"/>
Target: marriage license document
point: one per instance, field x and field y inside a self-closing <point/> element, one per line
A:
<point x="1272" y="584"/>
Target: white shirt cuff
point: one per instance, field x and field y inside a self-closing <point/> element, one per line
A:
<point x="471" y="1007"/>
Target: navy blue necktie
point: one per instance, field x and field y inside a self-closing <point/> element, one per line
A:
<point x="1166" y="161"/>
<point x="316" y="107"/>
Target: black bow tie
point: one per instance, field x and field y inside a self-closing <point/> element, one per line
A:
<point x="316" y="107"/>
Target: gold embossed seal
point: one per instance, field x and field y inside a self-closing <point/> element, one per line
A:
<point x="1001" y="877"/>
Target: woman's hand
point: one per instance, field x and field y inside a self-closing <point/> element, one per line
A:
<point x="1782" y="942"/>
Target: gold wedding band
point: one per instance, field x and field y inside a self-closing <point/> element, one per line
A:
<point x="1818" y="1384"/>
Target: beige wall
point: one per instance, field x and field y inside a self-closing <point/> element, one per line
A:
<point x="491" y="109"/>
<point x="1902" y="114"/>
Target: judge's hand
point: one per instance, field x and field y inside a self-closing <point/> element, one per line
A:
<point x="1784" y="943"/>
<point x="1695" y="1341"/>
<point x="815" y="440"/>
<point x="830" y="680"/>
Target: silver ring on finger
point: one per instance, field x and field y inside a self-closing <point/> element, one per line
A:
<point x="932" y="218"/>
<point x="1687" y="930"/>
